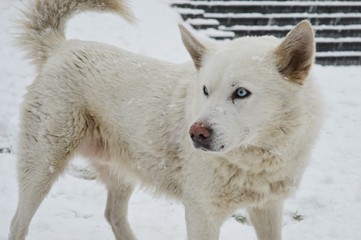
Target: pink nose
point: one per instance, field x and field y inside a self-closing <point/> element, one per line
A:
<point x="200" y="133"/>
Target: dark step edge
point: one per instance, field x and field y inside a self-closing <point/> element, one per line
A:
<point x="285" y="15"/>
<point x="268" y="3"/>
<point x="339" y="61"/>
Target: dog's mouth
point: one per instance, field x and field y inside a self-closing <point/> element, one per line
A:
<point x="208" y="147"/>
<point x="201" y="147"/>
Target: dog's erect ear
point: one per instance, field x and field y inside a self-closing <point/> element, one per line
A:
<point x="295" y="55"/>
<point x="195" y="48"/>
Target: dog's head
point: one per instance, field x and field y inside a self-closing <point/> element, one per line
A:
<point x="247" y="89"/>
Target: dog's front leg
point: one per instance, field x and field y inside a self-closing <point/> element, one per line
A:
<point x="116" y="212"/>
<point x="267" y="220"/>
<point x="199" y="225"/>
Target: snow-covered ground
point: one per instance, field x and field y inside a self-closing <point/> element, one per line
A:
<point x="327" y="206"/>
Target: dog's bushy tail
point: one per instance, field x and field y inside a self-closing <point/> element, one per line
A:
<point x="43" y="21"/>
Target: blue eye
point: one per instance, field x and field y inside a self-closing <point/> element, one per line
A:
<point x="241" y="93"/>
<point x="205" y="91"/>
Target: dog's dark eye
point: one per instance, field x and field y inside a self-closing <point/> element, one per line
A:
<point x="241" y="93"/>
<point x="205" y="91"/>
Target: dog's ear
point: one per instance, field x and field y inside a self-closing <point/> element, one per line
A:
<point x="295" y="55"/>
<point x="195" y="48"/>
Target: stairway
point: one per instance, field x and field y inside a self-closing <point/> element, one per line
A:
<point x="337" y="24"/>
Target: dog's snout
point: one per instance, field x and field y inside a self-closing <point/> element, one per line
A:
<point x="200" y="133"/>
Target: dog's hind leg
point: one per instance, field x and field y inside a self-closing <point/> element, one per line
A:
<point x="46" y="145"/>
<point x="116" y="211"/>
<point x="35" y="181"/>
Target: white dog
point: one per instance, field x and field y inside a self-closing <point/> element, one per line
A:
<point x="234" y="129"/>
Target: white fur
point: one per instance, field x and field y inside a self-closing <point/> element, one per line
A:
<point x="130" y="115"/>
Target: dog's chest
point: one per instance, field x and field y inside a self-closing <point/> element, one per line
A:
<point x="236" y="187"/>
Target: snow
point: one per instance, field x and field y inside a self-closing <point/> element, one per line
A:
<point x="189" y="11"/>
<point x="341" y="53"/>
<point x="213" y="32"/>
<point x="347" y="39"/>
<point x="202" y="21"/>
<point x="329" y="199"/>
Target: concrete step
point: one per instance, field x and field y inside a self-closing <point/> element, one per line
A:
<point x="337" y="23"/>
<point x="322" y="44"/>
<point x="327" y="31"/>
<point x="338" y="44"/>
<point x="282" y="19"/>
<point x="271" y="6"/>
<point x="338" y="58"/>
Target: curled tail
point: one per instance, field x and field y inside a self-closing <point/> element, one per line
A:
<point x="43" y="22"/>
